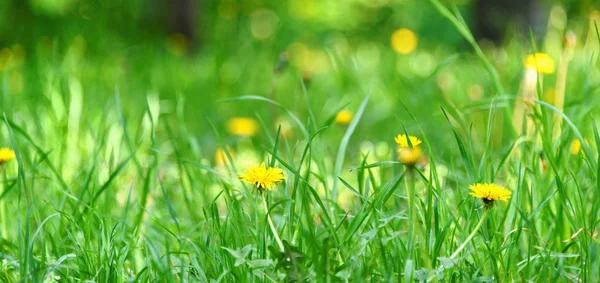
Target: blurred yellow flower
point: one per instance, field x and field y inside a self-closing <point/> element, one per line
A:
<point x="6" y="154"/>
<point x="541" y="62"/>
<point x="344" y="117"/>
<point x="286" y="127"/>
<point x="409" y="155"/>
<point x="576" y="146"/>
<point x="221" y="156"/>
<point x="242" y="126"/>
<point x="402" y="141"/>
<point x="404" y="41"/>
<point x="489" y="193"/>
<point x="263" y="177"/>
<point x="309" y="60"/>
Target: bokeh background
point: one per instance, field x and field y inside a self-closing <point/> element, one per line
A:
<point x="73" y="58"/>
<point x="134" y="118"/>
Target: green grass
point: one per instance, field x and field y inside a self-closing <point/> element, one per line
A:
<point x="115" y="177"/>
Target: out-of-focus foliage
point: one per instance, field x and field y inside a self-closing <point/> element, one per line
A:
<point x="131" y="120"/>
<point x="101" y="48"/>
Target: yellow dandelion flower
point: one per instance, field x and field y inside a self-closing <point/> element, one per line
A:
<point x="409" y="155"/>
<point x="263" y="177"/>
<point x="540" y="62"/>
<point x="344" y="117"/>
<point x="242" y="126"/>
<point x="6" y="154"/>
<point x="402" y="141"/>
<point x="404" y="41"/>
<point x="489" y="193"/>
<point x="576" y="146"/>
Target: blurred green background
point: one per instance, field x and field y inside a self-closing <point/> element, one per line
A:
<point x="88" y="86"/>
<point x="63" y="55"/>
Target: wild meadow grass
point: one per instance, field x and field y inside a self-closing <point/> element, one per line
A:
<point x="122" y="173"/>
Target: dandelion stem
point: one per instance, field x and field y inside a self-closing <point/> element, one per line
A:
<point x="464" y="244"/>
<point x="264" y="201"/>
<point x="471" y="236"/>
<point x="410" y="193"/>
<point x="4" y="232"/>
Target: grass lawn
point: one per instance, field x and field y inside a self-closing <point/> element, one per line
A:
<point x="299" y="144"/>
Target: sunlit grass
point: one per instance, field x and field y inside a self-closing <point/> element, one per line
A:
<point x="115" y="179"/>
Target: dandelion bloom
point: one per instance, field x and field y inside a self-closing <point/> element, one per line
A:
<point x="343" y="117"/>
<point x="242" y="126"/>
<point x="402" y="141"/>
<point x="541" y="62"/>
<point x="6" y="154"/>
<point x="263" y="177"/>
<point x="489" y="193"/>
<point x="408" y="153"/>
<point x="576" y="146"/>
<point x="404" y="41"/>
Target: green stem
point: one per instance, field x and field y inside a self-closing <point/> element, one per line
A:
<point x="4" y="232"/>
<point x="464" y="244"/>
<point x="264" y="201"/>
<point x="472" y="235"/>
<point x="410" y="194"/>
